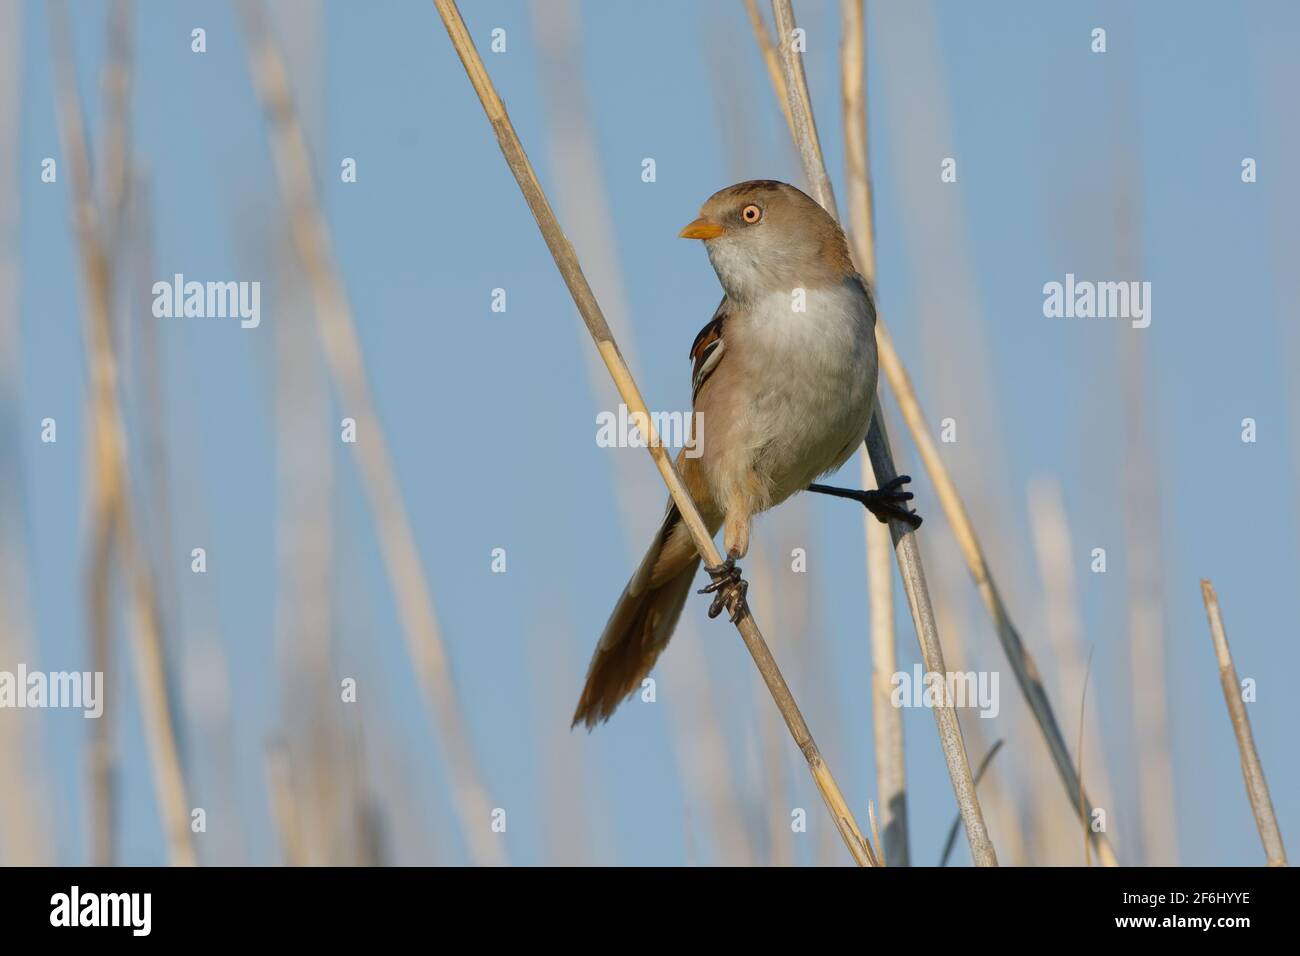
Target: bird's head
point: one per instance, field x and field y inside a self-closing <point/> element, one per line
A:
<point x="765" y="236"/>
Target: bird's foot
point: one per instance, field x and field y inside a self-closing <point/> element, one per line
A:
<point x="887" y="504"/>
<point x="728" y="588"/>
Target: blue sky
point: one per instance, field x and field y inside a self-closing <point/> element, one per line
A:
<point x="1116" y="166"/>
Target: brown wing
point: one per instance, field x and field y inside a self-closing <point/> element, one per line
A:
<point x="707" y="349"/>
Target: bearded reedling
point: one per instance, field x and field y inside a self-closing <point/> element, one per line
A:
<point x="785" y="379"/>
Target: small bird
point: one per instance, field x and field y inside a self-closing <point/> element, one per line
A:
<point x="784" y="379"/>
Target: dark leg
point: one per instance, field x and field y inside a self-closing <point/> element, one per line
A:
<point x="888" y="503"/>
<point x="728" y="587"/>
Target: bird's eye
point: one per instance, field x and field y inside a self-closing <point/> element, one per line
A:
<point x="751" y="213"/>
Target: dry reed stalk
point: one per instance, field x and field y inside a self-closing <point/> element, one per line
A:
<point x="112" y="510"/>
<point x="770" y="60"/>
<point x="777" y="829"/>
<point x="23" y="796"/>
<point x="370" y="820"/>
<point x="1083" y="803"/>
<point x="312" y="725"/>
<point x="887" y="720"/>
<point x="875" y="828"/>
<point x="103" y="757"/>
<point x="285" y="819"/>
<point x="316" y="739"/>
<point x="1146" y="617"/>
<point x="105" y="500"/>
<point x="304" y="625"/>
<point x="580" y="189"/>
<point x="772" y="754"/>
<point x="706" y="766"/>
<point x="342" y="350"/>
<point x="104" y="452"/>
<point x="1140" y="493"/>
<point x="571" y="271"/>
<point x="979" y="775"/>
<point x="882" y="463"/>
<point x="1261" y="803"/>
<point x="575" y="814"/>
<point x="857" y="171"/>
<point x="24" y="839"/>
<point x="148" y="646"/>
<point x="116" y="180"/>
<point x="155" y="708"/>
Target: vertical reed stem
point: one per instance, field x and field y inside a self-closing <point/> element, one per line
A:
<point x="886" y="719"/>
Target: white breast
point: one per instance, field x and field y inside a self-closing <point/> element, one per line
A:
<point x="811" y="378"/>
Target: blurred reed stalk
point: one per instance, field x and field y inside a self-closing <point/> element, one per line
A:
<point x="24" y="837"/>
<point x="103" y="757"/>
<point x="573" y="801"/>
<point x="116" y="148"/>
<point x="1022" y="662"/>
<point x="771" y="751"/>
<point x="770" y="61"/>
<point x="342" y="350"/>
<point x="112" y="520"/>
<point x="1083" y="804"/>
<point x="570" y="269"/>
<point x="369" y="820"/>
<point x="886" y="719"/>
<point x="705" y="765"/>
<point x="581" y="191"/>
<point x="1140" y="483"/>
<point x="317" y="743"/>
<point x="1144" y="565"/>
<point x="1055" y="549"/>
<point x="286" y="820"/>
<point x="583" y="200"/>
<point x="114" y="183"/>
<point x="1261" y="803"/>
<point x="304" y="626"/>
<point x="882" y="462"/>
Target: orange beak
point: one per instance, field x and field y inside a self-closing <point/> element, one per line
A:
<point x="702" y="229"/>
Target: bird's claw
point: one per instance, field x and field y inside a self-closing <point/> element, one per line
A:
<point x="727" y="588"/>
<point x="887" y="503"/>
<point x="890" y="502"/>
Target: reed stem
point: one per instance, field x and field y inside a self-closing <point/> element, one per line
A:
<point x="1251" y="769"/>
<point x="886" y="719"/>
